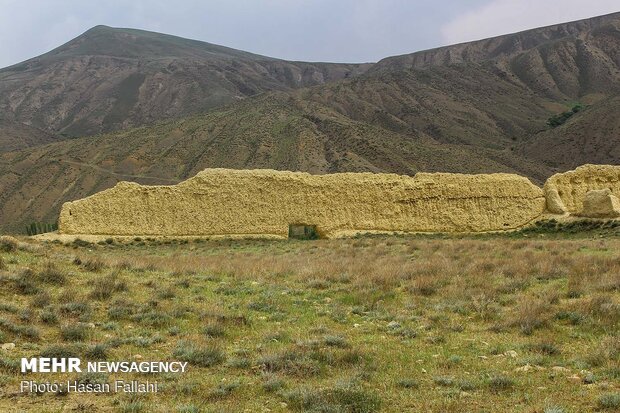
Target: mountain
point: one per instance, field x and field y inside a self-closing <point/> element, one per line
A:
<point x="563" y="61"/>
<point x="486" y="109"/>
<point x="109" y="79"/>
<point x="15" y="136"/>
<point x="591" y="136"/>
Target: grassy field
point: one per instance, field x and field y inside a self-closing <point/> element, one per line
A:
<point x="522" y="323"/>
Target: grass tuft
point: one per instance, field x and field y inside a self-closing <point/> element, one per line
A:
<point x="201" y="356"/>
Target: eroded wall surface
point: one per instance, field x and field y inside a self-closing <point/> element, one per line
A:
<point x="571" y="187"/>
<point x="235" y="202"/>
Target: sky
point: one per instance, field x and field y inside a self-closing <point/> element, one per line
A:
<point x="309" y="30"/>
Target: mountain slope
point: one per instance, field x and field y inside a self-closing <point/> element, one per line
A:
<point x="591" y="136"/>
<point x="109" y="79"/>
<point x="15" y="136"/>
<point x="561" y="61"/>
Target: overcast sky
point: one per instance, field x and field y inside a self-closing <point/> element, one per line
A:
<point x="311" y="30"/>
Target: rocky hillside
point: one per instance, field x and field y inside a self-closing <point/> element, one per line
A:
<point x="109" y="79"/>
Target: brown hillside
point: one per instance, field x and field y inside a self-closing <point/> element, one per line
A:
<point x="15" y="136"/>
<point x="591" y="136"/>
<point x="561" y="61"/>
<point x="109" y="79"/>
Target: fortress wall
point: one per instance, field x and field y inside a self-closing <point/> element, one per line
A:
<point x="265" y="202"/>
<point x="572" y="186"/>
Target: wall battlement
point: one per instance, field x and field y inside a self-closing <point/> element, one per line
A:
<point x="567" y="191"/>
<point x="223" y="202"/>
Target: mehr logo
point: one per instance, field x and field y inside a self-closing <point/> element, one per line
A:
<point x="51" y="365"/>
<point x="73" y="364"/>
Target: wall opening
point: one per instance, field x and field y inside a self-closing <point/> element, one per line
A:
<point x="302" y="231"/>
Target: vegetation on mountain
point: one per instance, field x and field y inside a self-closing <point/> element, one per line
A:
<point x="560" y="119"/>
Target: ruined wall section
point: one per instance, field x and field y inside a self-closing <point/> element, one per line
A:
<point x="566" y="191"/>
<point x="265" y="202"/>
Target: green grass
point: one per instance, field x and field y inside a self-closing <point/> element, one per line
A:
<point x="435" y="324"/>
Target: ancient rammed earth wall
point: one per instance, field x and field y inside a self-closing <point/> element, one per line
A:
<point x="566" y="192"/>
<point x="264" y="202"/>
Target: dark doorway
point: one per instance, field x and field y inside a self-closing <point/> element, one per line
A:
<point x="301" y="231"/>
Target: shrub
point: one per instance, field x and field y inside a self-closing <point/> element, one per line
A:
<point x="139" y="341"/>
<point x="554" y="409"/>
<point x="25" y="315"/>
<point x="52" y="275"/>
<point x="546" y="348"/>
<point x="74" y="332"/>
<point x="93" y="265"/>
<point x="25" y="283"/>
<point x="500" y="383"/>
<point x="224" y="390"/>
<point x="404" y="332"/>
<point x="273" y="384"/>
<point x="152" y="318"/>
<point x="188" y="408"/>
<point x="167" y="293"/>
<point x="444" y="381"/>
<point x="104" y="287"/>
<point x="74" y="308"/>
<point x="466" y="385"/>
<point x="408" y="384"/>
<point x="572" y="317"/>
<point x="135" y="406"/>
<point x="97" y="352"/>
<point x="424" y="285"/>
<point x="291" y="362"/>
<point x="19" y="330"/>
<point x="9" y="308"/>
<point x="8" y="244"/>
<point x="339" y="399"/>
<point x="9" y="365"/>
<point x="239" y="363"/>
<point x="352" y="357"/>
<point x="123" y="265"/>
<point x="610" y="401"/>
<point x="183" y="283"/>
<point x="80" y="243"/>
<point x="203" y="356"/>
<point x="121" y="309"/>
<point x="92" y="378"/>
<point x="603" y="308"/>
<point x="60" y="351"/>
<point x="214" y="330"/>
<point x="335" y="341"/>
<point x="41" y="300"/>
<point x="531" y="315"/>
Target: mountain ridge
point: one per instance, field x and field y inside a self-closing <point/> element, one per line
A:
<point x="109" y="79"/>
<point x="424" y="57"/>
